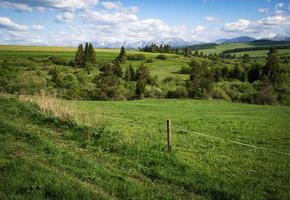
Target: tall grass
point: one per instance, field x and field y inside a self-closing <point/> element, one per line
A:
<point x="48" y="104"/>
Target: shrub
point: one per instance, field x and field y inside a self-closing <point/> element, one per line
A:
<point x="149" y="60"/>
<point x="180" y="92"/>
<point x="139" y="56"/>
<point x="154" y="92"/>
<point x="162" y="57"/>
<point x="184" y="70"/>
<point x="219" y="93"/>
<point x="237" y="91"/>
<point x="58" y="60"/>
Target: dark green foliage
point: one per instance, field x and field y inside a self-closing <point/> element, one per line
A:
<point x="91" y="57"/>
<point x="122" y="56"/>
<point x="180" y="92"/>
<point x="108" y="84"/>
<point x="117" y="69"/>
<point x="80" y="56"/>
<point x="246" y="58"/>
<point x="238" y="73"/>
<point x="154" y="48"/>
<point x="58" y="60"/>
<point x="162" y="57"/>
<point x="272" y="71"/>
<point x="138" y="56"/>
<point x="72" y="86"/>
<point x="257" y="48"/>
<point x="143" y="78"/>
<point x="200" y="82"/>
<point x="85" y="56"/>
<point x="55" y="76"/>
<point x="143" y="74"/>
<point x="255" y="72"/>
<point x="130" y="73"/>
<point x="140" y="88"/>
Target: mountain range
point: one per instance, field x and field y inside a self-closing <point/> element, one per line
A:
<point x="178" y="42"/>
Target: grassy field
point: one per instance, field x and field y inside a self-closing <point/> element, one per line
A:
<point x="47" y="158"/>
<point x="161" y="68"/>
<point x="259" y="53"/>
<point x="222" y="47"/>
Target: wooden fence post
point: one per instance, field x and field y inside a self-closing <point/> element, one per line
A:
<point x="168" y="135"/>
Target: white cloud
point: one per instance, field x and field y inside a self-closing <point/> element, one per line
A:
<point x="16" y="6"/>
<point x="65" y="17"/>
<point x="275" y="20"/>
<point x="211" y="19"/>
<point x="263" y="10"/>
<point x="54" y="4"/>
<point x="240" y="25"/>
<point x="275" y="24"/>
<point x="108" y="5"/>
<point x="36" y="28"/>
<point x="7" y="23"/>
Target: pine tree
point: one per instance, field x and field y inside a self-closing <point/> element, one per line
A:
<point x="91" y="54"/>
<point x="140" y="88"/>
<point x="271" y="71"/>
<point x="143" y="73"/>
<point x="86" y="52"/>
<point x="199" y="84"/>
<point x="117" y="69"/>
<point x="130" y="73"/>
<point x="142" y="78"/>
<point x="80" y="56"/>
<point x="122" y="56"/>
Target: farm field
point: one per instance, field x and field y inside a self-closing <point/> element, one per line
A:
<point x="257" y="53"/>
<point x="128" y="159"/>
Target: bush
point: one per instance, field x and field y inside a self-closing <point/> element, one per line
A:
<point x="154" y="92"/>
<point x="149" y="60"/>
<point x="139" y="56"/>
<point x="237" y="91"/>
<point x="180" y="92"/>
<point x="184" y="70"/>
<point x="58" y="60"/>
<point x="219" y="93"/>
<point x="162" y="57"/>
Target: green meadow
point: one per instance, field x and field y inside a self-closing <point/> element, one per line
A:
<point x="119" y="151"/>
<point x="77" y="148"/>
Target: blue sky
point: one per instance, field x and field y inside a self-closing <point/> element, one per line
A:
<point x="69" y="22"/>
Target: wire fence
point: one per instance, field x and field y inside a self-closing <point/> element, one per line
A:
<point x="189" y="131"/>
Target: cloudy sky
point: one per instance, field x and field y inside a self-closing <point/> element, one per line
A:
<point x="69" y="22"/>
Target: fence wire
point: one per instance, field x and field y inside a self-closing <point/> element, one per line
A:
<point x="189" y="131"/>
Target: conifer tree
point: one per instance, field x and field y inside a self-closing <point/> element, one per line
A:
<point x="80" y="56"/>
<point x="86" y="52"/>
<point x="117" y="69"/>
<point x="91" y="54"/>
<point x="130" y="73"/>
<point x="271" y="71"/>
<point x="122" y="56"/>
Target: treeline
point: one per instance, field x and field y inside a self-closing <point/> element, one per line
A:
<point x="240" y="80"/>
<point x="259" y="48"/>
<point x="154" y="48"/>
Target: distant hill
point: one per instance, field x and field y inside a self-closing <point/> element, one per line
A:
<point x="265" y="42"/>
<point x="242" y="39"/>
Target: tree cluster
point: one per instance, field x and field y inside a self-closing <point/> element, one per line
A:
<point x="154" y="48"/>
<point x="85" y="55"/>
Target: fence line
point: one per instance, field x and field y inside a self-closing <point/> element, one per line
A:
<point x="191" y="131"/>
